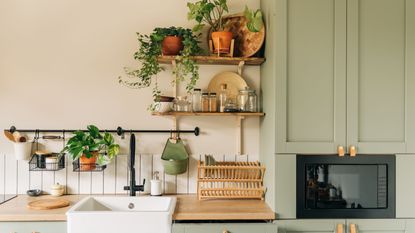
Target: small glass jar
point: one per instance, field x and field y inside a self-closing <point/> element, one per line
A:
<point x="252" y="104"/>
<point x="197" y="100"/>
<point x="181" y="104"/>
<point x="205" y="102"/>
<point x="243" y="99"/>
<point x="213" y="102"/>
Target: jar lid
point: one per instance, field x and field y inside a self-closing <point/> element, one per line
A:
<point x="205" y="93"/>
<point x="197" y="89"/>
<point x="57" y="186"/>
<point x="213" y="93"/>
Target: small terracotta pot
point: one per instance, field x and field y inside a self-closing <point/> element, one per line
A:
<point x="88" y="164"/>
<point x="222" y="41"/>
<point x="171" y="45"/>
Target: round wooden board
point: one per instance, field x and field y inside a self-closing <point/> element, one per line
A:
<point x="247" y="43"/>
<point x="234" y="83"/>
<point x="48" y="204"/>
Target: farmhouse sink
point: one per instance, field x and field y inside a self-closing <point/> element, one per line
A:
<point x="121" y="215"/>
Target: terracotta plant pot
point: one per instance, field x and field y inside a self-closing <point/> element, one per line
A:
<point x="171" y="45"/>
<point x="222" y="41"/>
<point x="88" y="164"/>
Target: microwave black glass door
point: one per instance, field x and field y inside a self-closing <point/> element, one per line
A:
<point x="346" y="186"/>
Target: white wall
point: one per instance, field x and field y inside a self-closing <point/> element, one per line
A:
<point x="59" y="63"/>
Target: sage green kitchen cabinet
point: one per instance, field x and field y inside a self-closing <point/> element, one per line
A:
<point x="345" y="76"/>
<point x="306" y="226"/>
<point x="311" y="75"/>
<point x="405" y="190"/>
<point x="330" y="226"/>
<point x="377" y="225"/>
<point x="33" y="227"/>
<point x="380" y="75"/>
<point x="410" y="226"/>
<point x="225" y="228"/>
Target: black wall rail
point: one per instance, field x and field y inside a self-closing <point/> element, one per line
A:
<point x="119" y="131"/>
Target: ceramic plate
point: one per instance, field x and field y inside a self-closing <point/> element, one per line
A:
<point x="233" y="81"/>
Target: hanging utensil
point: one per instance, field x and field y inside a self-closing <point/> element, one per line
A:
<point x="9" y="135"/>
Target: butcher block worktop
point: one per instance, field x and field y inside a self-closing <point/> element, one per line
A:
<point x="188" y="207"/>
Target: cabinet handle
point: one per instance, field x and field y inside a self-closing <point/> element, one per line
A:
<point x="339" y="228"/>
<point x="352" y="151"/>
<point x="340" y="151"/>
<point x="353" y="228"/>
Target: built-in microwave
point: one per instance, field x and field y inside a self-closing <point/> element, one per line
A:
<point x="345" y="187"/>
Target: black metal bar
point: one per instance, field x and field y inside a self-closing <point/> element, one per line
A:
<point x="120" y="131"/>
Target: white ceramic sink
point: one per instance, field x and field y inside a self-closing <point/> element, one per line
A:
<point x="117" y="214"/>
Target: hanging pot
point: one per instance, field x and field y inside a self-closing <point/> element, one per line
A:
<point x="222" y="41"/>
<point x="171" y="45"/>
<point x="88" y="164"/>
<point x="175" y="157"/>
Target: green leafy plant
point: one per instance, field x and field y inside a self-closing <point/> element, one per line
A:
<point x="150" y="48"/>
<point x="208" y="12"/>
<point x="86" y="143"/>
<point x="255" y="22"/>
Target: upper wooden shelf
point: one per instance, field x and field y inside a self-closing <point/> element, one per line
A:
<point x="213" y="60"/>
<point x="209" y="114"/>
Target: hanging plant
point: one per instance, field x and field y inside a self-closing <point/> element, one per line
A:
<point x="158" y="43"/>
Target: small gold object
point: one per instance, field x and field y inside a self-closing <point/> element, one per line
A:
<point x="340" y="151"/>
<point x="352" y="151"/>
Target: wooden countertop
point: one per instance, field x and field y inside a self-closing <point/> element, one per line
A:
<point x="188" y="207"/>
<point x="16" y="209"/>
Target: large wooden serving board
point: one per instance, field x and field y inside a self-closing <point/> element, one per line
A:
<point x="48" y="204"/>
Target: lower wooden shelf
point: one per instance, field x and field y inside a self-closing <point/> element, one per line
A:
<point x="257" y="114"/>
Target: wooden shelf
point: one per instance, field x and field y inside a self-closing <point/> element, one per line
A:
<point x="213" y="60"/>
<point x="257" y="114"/>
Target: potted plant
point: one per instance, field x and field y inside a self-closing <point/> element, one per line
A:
<point x="91" y="147"/>
<point x="255" y="21"/>
<point x="164" y="41"/>
<point x="211" y="12"/>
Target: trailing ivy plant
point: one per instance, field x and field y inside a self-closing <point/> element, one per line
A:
<point x="150" y="47"/>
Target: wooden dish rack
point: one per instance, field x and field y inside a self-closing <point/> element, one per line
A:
<point x="230" y="180"/>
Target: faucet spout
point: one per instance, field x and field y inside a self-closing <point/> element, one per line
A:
<point x="133" y="188"/>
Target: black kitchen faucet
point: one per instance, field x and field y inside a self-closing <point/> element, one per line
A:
<point x="133" y="188"/>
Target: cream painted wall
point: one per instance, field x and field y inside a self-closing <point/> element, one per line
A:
<point x="59" y="63"/>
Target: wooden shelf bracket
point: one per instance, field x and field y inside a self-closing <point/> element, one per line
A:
<point x="241" y="66"/>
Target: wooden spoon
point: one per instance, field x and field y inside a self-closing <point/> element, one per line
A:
<point x="9" y="135"/>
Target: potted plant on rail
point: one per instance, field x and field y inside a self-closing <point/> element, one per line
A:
<point x="164" y="41"/>
<point x="91" y="148"/>
<point x="211" y="12"/>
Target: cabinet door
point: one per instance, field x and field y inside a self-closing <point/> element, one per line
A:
<point x="220" y="228"/>
<point x="380" y="60"/>
<point x="410" y="226"/>
<point x="377" y="225"/>
<point x="405" y="190"/>
<point x="306" y="226"/>
<point x="311" y="76"/>
<point x="31" y="227"/>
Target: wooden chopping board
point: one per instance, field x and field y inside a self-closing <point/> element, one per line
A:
<point x="48" y="204"/>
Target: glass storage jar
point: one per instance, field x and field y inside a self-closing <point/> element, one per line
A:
<point x="197" y="100"/>
<point x="205" y="102"/>
<point x="213" y="102"/>
<point x="181" y="104"/>
<point x="252" y="104"/>
<point x="243" y="99"/>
